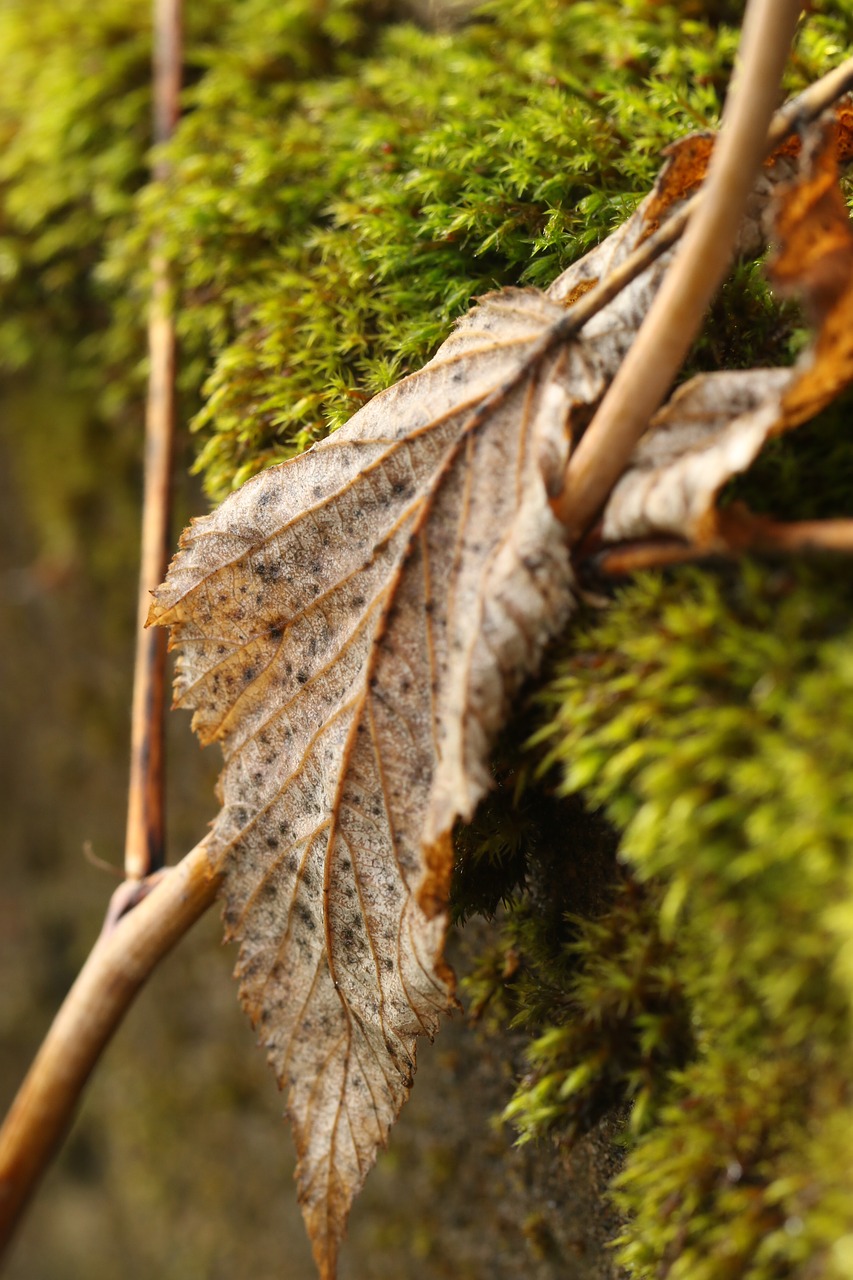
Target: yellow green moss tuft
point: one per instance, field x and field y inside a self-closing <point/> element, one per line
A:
<point x="709" y="717"/>
<point x="344" y="183"/>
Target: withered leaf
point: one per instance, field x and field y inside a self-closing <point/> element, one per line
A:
<point x="351" y="628"/>
<point x="715" y="426"/>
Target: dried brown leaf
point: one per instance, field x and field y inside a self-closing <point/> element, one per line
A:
<point x="352" y="626"/>
<point x="715" y="426"/>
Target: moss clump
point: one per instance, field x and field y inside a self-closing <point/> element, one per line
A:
<point x="343" y="184"/>
<point x="709" y="718"/>
<point x="579" y="961"/>
<point x="327" y="241"/>
<point x="618" y="1025"/>
<point x="75" y="108"/>
<point x="807" y="475"/>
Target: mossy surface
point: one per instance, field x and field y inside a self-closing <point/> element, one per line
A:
<point x="709" y="717"/>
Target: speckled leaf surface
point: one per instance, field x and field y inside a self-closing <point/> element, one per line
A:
<point x="352" y="626"/>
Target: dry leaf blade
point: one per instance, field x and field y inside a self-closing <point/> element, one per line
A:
<point x="352" y="626"/>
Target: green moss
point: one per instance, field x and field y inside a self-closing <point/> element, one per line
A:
<point x="75" y="108"/>
<point x="343" y="185"/>
<point x="709" y="717"/>
<point x="807" y="475"/>
<point x="747" y="1174"/>
<point x="623" y="1025"/>
<point x="333" y="240"/>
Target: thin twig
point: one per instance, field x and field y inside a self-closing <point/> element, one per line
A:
<point x="699" y="267"/>
<point x="741" y="530"/>
<point x="118" y="965"/>
<point x="738" y="532"/>
<point x="658" y="553"/>
<point x="144" y="840"/>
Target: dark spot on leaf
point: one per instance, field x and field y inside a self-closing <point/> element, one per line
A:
<point x="305" y="915"/>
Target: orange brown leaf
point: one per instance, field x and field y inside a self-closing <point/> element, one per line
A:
<point x="716" y="425"/>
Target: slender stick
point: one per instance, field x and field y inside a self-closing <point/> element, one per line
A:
<point x="739" y="532"/>
<point x="699" y="267"/>
<point x="118" y="965"/>
<point x="145" y="808"/>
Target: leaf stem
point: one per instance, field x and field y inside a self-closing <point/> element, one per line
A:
<point x="738" y="533"/>
<point x="144" y="840"/>
<point x="118" y="965"/>
<point x="697" y="271"/>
